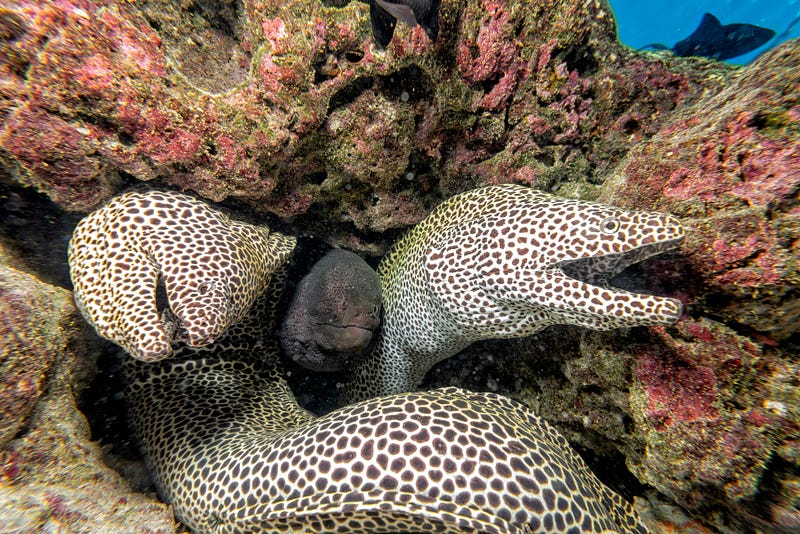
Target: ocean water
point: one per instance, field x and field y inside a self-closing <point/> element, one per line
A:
<point x="669" y="21"/>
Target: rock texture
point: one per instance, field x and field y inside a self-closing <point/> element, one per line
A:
<point x="287" y="109"/>
<point x="290" y="108"/>
<point x="714" y="397"/>
<point x="51" y="475"/>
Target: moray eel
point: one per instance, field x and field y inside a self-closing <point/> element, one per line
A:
<point x="334" y="313"/>
<point x="502" y="262"/>
<point x="232" y="451"/>
<point x="211" y="269"/>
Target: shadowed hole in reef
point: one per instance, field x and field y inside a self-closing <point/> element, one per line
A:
<point x="202" y="37"/>
<point x="328" y="66"/>
<point x="35" y="233"/>
<point x="13" y="29"/>
<point x="420" y="178"/>
<point x="408" y="84"/>
<point x="611" y="469"/>
<point x="350" y="92"/>
<point x="354" y="56"/>
<point x="579" y="57"/>
<point x="316" y="178"/>
<point x="103" y="404"/>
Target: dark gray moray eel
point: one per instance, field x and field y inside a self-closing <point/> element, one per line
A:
<point x="232" y="451"/>
<point x="503" y="262"/>
<point x="212" y="269"/>
<point x="334" y="313"/>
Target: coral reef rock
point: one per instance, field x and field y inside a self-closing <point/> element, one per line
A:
<point x="51" y="475"/>
<point x="713" y="396"/>
<point x="289" y="110"/>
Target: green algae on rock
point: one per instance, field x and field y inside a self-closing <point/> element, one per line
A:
<point x="51" y="475"/>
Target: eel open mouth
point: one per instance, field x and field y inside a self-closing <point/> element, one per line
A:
<point x="590" y="300"/>
<point x="600" y="270"/>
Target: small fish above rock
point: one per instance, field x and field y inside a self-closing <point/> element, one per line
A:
<point x="717" y="41"/>
<point x="334" y="313"/>
<point x="211" y="269"/>
<point x="384" y="15"/>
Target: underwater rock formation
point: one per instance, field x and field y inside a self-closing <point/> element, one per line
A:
<point x="51" y="474"/>
<point x="261" y="103"/>
<point x="713" y="397"/>
<point x="291" y="108"/>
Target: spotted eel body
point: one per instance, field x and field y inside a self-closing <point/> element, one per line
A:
<point x="507" y="261"/>
<point x="212" y="269"/>
<point x="232" y="451"/>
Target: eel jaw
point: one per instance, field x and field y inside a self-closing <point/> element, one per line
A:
<point x="594" y="303"/>
<point x="195" y="333"/>
<point x="599" y="270"/>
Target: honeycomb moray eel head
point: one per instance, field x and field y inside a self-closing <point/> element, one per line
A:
<point x="232" y="451"/>
<point x="211" y="268"/>
<point x="506" y="261"/>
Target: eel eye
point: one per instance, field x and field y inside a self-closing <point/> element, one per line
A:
<point x="610" y="225"/>
<point x="205" y="287"/>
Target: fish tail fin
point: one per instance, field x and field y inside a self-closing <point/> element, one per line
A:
<point x="382" y="24"/>
<point x="429" y="20"/>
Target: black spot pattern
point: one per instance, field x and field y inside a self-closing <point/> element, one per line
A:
<point x="232" y="451"/>
<point x="502" y="262"/>
<point x="212" y="268"/>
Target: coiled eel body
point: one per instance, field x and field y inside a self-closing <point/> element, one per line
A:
<point x="232" y="451"/>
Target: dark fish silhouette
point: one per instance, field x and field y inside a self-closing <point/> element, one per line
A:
<point x="716" y="41"/>
<point x="385" y="14"/>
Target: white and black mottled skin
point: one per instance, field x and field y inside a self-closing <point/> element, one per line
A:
<point x="502" y="262"/>
<point x="232" y="451"/>
<point x="212" y="269"/>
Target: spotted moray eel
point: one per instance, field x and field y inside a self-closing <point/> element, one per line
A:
<point x="502" y="262"/>
<point x="232" y="451"/>
<point x="211" y="268"/>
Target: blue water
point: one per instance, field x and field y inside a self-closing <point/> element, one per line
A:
<point x="642" y="22"/>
